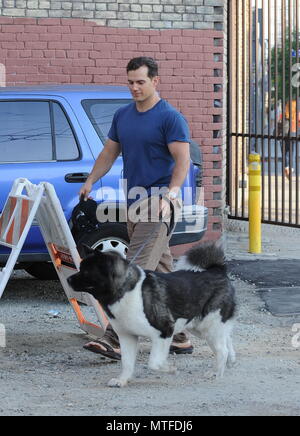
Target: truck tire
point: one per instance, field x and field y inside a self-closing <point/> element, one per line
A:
<point x="42" y="271"/>
<point x="108" y="237"/>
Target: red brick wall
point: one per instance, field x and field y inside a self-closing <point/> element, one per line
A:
<point x="50" y="50"/>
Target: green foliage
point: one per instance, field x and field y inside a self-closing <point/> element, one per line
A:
<point x="281" y="80"/>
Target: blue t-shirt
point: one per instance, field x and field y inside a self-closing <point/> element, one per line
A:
<point x="144" y="139"/>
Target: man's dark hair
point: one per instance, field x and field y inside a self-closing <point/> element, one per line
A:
<point x="142" y="61"/>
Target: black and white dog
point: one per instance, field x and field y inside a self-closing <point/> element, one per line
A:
<point x="198" y="297"/>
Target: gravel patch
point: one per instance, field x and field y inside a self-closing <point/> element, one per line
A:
<point x="44" y="370"/>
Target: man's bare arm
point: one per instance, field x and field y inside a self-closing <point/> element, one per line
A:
<point x="102" y="165"/>
<point x="181" y="155"/>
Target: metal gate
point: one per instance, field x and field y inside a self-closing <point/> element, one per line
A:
<point x="264" y="106"/>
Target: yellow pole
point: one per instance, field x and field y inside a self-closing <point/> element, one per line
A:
<point x="254" y="203"/>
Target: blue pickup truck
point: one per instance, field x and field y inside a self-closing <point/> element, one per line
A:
<point x="54" y="133"/>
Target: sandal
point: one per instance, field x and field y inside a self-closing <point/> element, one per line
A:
<point x="103" y="348"/>
<point x="174" y="349"/>
<point x="107" y="350"/>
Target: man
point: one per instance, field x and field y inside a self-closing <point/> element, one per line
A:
<point x="154" y="140"/>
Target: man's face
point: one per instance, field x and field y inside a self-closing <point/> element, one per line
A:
<point x="140" y="85"/>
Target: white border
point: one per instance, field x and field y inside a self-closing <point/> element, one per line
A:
<point x="2" y="75"/>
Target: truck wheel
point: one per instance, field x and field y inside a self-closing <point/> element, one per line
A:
<point x="108" y="237"/>
<point x="42" y="270"/>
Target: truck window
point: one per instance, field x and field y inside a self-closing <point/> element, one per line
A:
<point x="25" y="131"/>
<point x="101" y="112"/>
<point x="35" y="131"/>
<point x="66" y="145"/>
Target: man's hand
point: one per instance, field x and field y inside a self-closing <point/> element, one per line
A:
<point x="165" y="208"/>
<point x="165" y="204"/>
<point x="102" y="165"/>
<point x="86" y="189"/>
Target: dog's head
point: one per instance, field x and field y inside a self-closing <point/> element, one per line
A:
<point x="101" y="274"/>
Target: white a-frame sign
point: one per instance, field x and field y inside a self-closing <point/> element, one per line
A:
<point x="25" y="203"/>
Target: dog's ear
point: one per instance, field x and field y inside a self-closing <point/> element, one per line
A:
<point x="87" y="249"/>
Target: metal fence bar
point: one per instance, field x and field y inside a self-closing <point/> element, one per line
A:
<point x="244" y="82"/>
<point x="270" y="196"/>
<point x="263" y="106"/>
<point x="277" y="108"/>
<point x="291" y="144"/>
<point x="297" y="112"/>
<point x="283" y="141"/>
<point x="237" y="118"/>
<point x="230" y="174"/>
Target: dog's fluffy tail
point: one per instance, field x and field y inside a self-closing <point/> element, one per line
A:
<point x="202" y="257"/>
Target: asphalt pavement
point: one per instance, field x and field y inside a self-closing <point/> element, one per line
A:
<point x="275" y="272"/>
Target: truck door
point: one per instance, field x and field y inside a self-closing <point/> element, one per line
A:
<point x="39" y="141"/>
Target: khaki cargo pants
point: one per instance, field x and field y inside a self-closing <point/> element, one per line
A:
<point x="143" y="221"/>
